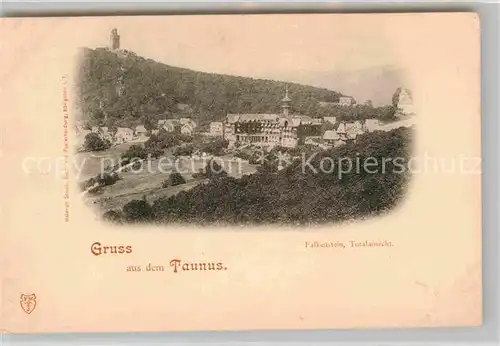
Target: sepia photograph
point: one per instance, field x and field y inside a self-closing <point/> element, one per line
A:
<point x="192" y="172"/>
<point x="180" y="137"/>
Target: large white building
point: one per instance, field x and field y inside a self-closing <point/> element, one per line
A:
<point x="216" y="129"/>
<point x="270" y="130"/>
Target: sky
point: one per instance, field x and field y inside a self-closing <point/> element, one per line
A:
<point x="348" y="54"/>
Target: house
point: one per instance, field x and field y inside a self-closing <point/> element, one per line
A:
<point x="187" y="129"/>
<point x="331" y="137"/>
<point x="183" y="107"/>
<point x="371" y="125"/>
<point x="124" y="134"/>
<point x="188" y="121"/>
<point x="216" y="129"/>
<point x="346" y="132"/>
<point x="313" y="140"/>
<point x="140" y="131"/>
<point x="353" y="126"/>
<point x="341" y="129"/>
<point x="331" y="120"/>
<point x="346" y="101"/>
<point x="167" y="124"/>
<point x="103" y="132"/>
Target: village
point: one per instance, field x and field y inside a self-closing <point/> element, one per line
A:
<point x="239" y="141"/>
<point x="264" y="131"/>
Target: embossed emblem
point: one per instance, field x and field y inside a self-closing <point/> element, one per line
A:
<point x="28" y="302"/>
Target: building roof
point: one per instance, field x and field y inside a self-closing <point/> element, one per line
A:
<point x="140" y="128"/>
<point x="407" y="92"/>
<point x="124" y="130"/>
<point x="232" y="118"/>
<point x="293" y="120"/>
<point x="167" y="122"/>
<point x="303" y="118"/>
<point x="187" y="127"/>
<point x="296" y="122"/>
<point x="331" y="135"/>
<point x="182" y="106"/>
<point x="330" y="119"/>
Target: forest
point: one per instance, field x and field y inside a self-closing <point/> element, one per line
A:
<point x="124" y="89"/>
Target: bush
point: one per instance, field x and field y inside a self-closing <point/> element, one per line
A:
<point x="213" y="170"/>
<point x="93" y="142"/>
<point x="185" y="150"/>
<point x="243" y="155"/>
<point x="176" y="179"/>
<point x="215" y="147"/>
<point x="114" y="216"/>
<point x="106" y="179"/>
<point x="138" y="211"/>
<point x="133" y="153"/>
<point x="100" y="180"/>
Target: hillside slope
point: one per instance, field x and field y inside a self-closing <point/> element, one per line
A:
<point x="329" y="188"/>
<point x="123" y="89"/>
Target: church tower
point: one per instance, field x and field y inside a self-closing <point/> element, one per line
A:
<point x="285" y="103"/>
<point x="114" y="40"/>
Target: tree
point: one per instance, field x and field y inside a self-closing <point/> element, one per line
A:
<point x="114" y="216"/>
<point x="215" y="147"/>
<point x="185" y="150"/>
<point x="93" y="142"/>
<point x="148" y="123"/>
<point x="138" y="211"/>
<point x="176" y="179"/>
<point x="106" y="179"/>
<point x="135" y="152"/>
<point x="395" y="97"/>
<point x="326" y="126"/>
<point x="214" y="170"/>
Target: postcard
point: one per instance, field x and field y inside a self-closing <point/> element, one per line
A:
<point x="240" y="172"/>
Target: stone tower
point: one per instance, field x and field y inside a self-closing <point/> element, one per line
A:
<point x="285" y="103"/>
<point x="114" y="39"/>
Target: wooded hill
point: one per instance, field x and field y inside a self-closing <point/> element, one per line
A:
<point x="123" y="89"/>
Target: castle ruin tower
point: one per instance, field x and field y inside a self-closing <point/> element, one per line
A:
<point x="285" y="103"/>
<point x="114" y="40"/>
<point x="405" y="102"/>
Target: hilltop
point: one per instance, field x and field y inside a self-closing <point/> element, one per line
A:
<point x="120" y="88"/>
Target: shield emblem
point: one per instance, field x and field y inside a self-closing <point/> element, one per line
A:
<point x="28" y="302"/>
